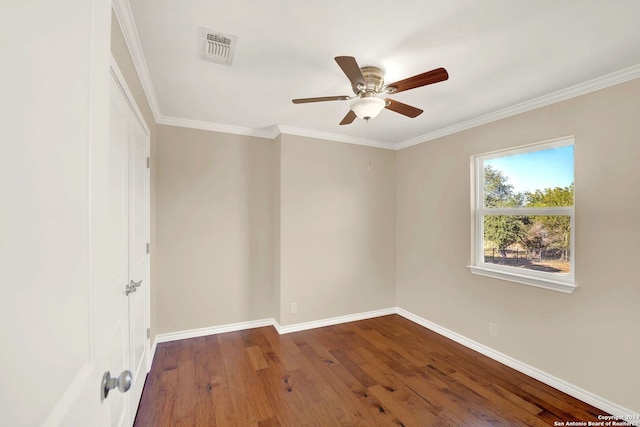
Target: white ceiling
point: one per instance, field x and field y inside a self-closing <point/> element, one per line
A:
<point x="499" y="54"/>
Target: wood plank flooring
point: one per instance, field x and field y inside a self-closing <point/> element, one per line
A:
<point x="386" y="371"/>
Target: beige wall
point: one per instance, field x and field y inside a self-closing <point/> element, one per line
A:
<point x="248" y="225"/>
<point x="214" y="229"/>
<point x="337" y="234"/>
<point x="120" y="52"/>
<point x="588" y="338"/>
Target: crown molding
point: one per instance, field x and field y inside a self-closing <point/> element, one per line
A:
<point x="327" y="136"/>
<point x="270" y="133"/>
<point x="532" y="104"/>
<point x="124" y="15"/>
<point x="542" y="101"/>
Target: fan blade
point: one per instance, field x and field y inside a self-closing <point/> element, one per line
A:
<point x="321" y="99"/>
<point x="351" y="69"/>
<point x="349" y="118"/>
<point x="404" y="109"/>
<point x="430" y="77"/>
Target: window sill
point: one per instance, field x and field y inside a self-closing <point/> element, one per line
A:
<point x="554" y="285"/>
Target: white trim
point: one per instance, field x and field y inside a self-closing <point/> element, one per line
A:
<point x="122" y="83"/>
<point x="551" y="281"/>
<point x="327" y="136"/>
<point x="544" y="377"/>
<point x="593" y="85"/>
<point x="213" y="330"/>
<point x="152" y="353"/>
<point x="551" y="210"/>
<point x="333" y="321"/>
<point x="539" y="282"/>
<point x="124" y="15"/>
<point x="241" y="326"/>
<point x="271" y="133"/>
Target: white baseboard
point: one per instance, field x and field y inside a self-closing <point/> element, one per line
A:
<point x="546" y="378"/>
<point x="332" y="321"/>
<point x="232" y="327"/>
<point x="213" y="330"/>
<point x="201" y="332"/>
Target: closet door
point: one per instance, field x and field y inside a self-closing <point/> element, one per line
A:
<point x="138" y="259"/>
<point x="127" y="296"/>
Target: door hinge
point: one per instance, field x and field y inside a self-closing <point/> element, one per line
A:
<point x="148" y="248"/>
<point x="148" y="162"/>
<point x="148" y="333"/>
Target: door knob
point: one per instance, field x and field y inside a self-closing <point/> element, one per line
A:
<point x="136" y="284"/>
<point x="123" y="383"/>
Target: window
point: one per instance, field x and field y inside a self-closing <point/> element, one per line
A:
<point x="523" y="228"/>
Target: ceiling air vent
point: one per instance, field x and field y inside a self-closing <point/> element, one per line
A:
<point x="216" y="46"/>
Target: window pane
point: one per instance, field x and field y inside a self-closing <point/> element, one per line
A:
<point x="535" y="179"/>
<point x="533" y="242"/>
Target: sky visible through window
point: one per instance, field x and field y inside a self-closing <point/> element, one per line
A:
<point x="537" y="170"/>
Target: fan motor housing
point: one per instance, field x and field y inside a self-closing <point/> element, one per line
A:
<point x="374" y="80"/>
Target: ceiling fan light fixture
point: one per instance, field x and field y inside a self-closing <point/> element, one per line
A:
<point x="367" y="82"/>
<point x="367" y="107"/>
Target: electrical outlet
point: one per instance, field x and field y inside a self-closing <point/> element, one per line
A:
<point x="493" y="329"/>
<point x="294" y="307"/>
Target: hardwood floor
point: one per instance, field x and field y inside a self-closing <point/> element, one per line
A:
<point x="386" y="371"/>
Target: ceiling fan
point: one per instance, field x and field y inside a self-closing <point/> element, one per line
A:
<point x="368" y="82"/>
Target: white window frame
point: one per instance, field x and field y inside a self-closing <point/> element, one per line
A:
<point x="553" y="281"/>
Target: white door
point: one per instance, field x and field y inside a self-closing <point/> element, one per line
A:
<point x="125" y="294"/>
<point x="53" y="202"/>
<point x="112" y="313"/>
<point x="129" y="234"/>
<point x="120" y="269"/>
<point x="138" y="260"/>
<point x="64" y="220"/>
